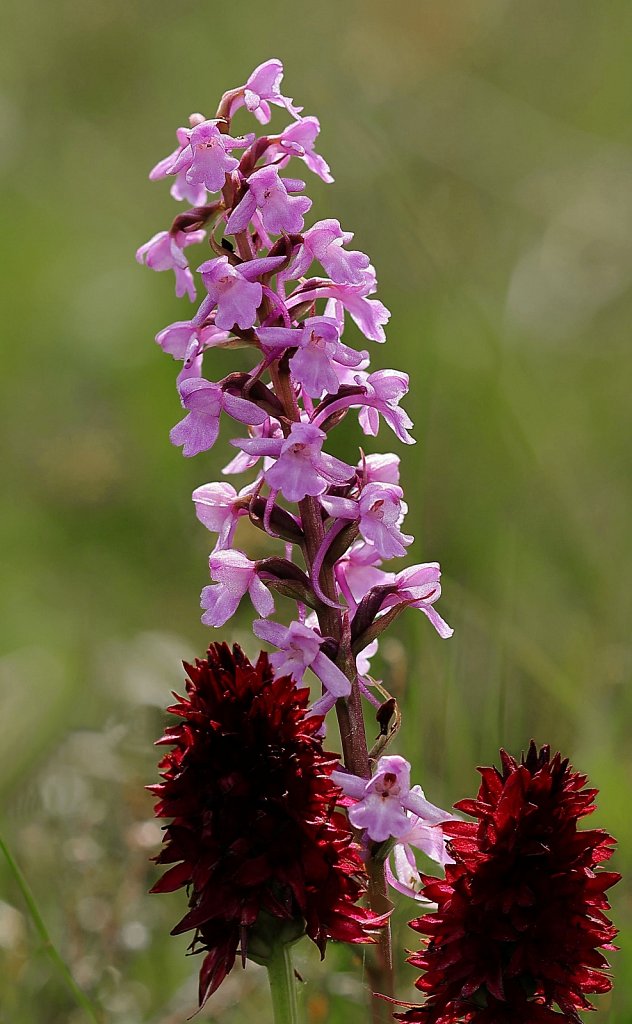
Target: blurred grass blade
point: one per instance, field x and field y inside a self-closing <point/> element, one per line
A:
<point x="58" y="962"/>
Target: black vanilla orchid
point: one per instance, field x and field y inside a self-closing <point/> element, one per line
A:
<point x="521" y="912"/>
<point x="255" y="836"/>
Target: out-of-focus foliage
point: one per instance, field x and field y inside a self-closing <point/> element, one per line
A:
<point x="482" y="155"/>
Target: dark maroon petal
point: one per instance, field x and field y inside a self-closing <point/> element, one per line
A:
<point x="217" y="963"/>
<point x="173" y="879"/>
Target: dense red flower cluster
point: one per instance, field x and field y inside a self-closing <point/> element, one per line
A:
<point x="255" y="830"/>
<point x="520" y="913"/>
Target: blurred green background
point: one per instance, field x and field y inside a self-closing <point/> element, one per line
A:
<point x="482" y="155"/>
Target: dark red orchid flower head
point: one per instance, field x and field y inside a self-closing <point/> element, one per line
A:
<point x="255" y="834"/>
<point x="520" y="923"/>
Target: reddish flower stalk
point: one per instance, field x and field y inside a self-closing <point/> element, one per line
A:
<point x="521" y="912"/>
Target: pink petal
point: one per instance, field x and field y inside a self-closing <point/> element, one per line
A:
<point x="243" y="410"/>
<point x="241" y="216"/>
<point x="332" y="678"/>
<point x="220" y="605"/>
<point x="439" y="624"/>
<point x="351" y="785"/>
<point x="261" y="597"/>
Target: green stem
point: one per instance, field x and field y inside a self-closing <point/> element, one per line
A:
<point x="58" y="963"/>
<point x="283" y="984"/>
